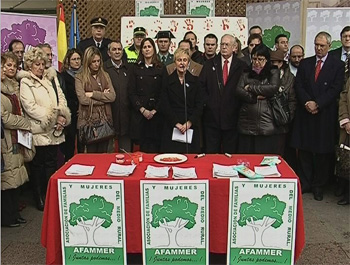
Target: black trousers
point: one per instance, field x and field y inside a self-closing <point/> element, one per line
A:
<point x="9" y="206"/>
<point x="218" y="141"/>
<point x="101" y="147"/>
<point x="42" y="168"/>
<point x="313" y="169"/>
<point x="261" y="144"/>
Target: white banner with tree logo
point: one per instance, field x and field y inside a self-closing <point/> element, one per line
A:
<point x="92" y="221"/>
<point x="175" y="220"/>
<point x="262" y="221"/>
<point x="200" y="8"/>
<point x="149" y="8"/>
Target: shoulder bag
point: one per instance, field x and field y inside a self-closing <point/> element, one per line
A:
<point x="280" y="107"/>
<point x="343" y="159"/>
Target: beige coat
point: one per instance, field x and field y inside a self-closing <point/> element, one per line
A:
<point x="101" y="101"/>
<point x="15" y="173"/>
<point x="344" y="110"/>
<point x="39" y="102"/>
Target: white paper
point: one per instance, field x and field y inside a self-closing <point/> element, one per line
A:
<point x="79" y="170"/>
<point x="220" y="171"/>
<point x="120" y="170"/>
<point x="267" y="171"/>
<point x="182" y="138"/>
<point x="184" y="173"/>
<point x="25" y="138"/>
<point x="157" y="172"/>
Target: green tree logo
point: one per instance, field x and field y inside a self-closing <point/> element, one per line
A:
<point x="91" y="214"/>
<point x="261" y="214"/>
<point x="150" y="11"/>
<point x="180" y="211"/>
<point x="270" y="35"/>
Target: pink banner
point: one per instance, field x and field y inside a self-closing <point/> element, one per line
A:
<point x="30" y="29"/>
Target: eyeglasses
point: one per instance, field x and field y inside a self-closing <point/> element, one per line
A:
<point x="258" y="59"/>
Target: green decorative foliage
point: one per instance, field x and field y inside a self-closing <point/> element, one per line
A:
<point x="200" y="10"/>
<point x="270" y="35"/>
<point x="335" y="44"/>
<point x="150" y="11"/>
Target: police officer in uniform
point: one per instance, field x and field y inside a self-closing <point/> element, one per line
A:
<point x="132" y="51"/>
<point x="163" y="42"/>
<point x="98" y="31"/>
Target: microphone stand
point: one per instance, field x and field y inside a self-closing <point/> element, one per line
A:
<point x="185" y="94"/>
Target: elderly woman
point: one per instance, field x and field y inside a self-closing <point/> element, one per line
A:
<point x="257" y="132"/>
<point x="145" y="84"/>
<point x="181" y="105"/>
<point x="14" y="174"/>
<point x="71" y="66"/>
<point x="95" y="93"/>
<point x="344" y="121"/>
<point x="46" y="108"/>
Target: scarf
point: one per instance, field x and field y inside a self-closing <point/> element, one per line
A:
<point x="72" y="72"/>
<point x="16" y="109"/>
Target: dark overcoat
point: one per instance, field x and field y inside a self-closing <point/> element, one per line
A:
<point x="84" y="44"/>
<point x="173" y="110"/>
<point x="317" y="132"/>
<point x="221" y="106"/>
<point x="121" y="106"/>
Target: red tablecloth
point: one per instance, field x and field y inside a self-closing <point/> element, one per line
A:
<point x="218" y="200"/>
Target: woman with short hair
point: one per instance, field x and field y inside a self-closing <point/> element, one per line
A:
<point x="15" y="173"/>
<point x="181" y="105"/>
<point x="45" y="106"/>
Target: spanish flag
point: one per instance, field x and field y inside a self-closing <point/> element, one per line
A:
<point x="62" y="46"/>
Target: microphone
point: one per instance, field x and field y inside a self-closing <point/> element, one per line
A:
<point x="185" y="94"/>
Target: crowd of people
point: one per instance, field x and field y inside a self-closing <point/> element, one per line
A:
<point x="220" y="102"/>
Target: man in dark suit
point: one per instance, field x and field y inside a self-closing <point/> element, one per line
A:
<point x="98" y="31"/>
<point x="218" y="80"/>
<point x="163" y="42"/>
<point x="318" y="84"/>
<point x="343" y="52"/>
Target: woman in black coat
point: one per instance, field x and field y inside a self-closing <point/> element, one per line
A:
<point x="181" y="112"/>
<point x="71" y="66"/>
<point x="145" y="84"/>
<point x="257" y="131"/>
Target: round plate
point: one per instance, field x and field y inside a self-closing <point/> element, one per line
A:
<point x="170" y="158"/>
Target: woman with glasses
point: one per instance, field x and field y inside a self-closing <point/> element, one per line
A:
<point x="14" y="174"/>
<point x="46" y="108"/>
<point x="71" y="67"/>
<point x="257" y="132"/>
<point x="95" y="93"/>
<point x="145" y="84"/>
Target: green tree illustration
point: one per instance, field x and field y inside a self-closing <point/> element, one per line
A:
<point x="180" y="211"/>
<point x="150" y="11"/>
<point x="270" y="35"/>
<point x="268" y="210"/>
<point x="335" y="44"/>
<point x="91" y="214"/>
<point x="200" y="10"/>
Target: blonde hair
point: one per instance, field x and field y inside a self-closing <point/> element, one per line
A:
<point x="181" y="51"/>
<point x="89" y="55"/>
<point x="33" y="55"/>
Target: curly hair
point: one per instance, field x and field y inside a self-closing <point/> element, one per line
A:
<point x="33" y="55"/>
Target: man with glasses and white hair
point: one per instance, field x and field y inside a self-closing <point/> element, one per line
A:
<point x="218" y="80"/>
<point x="318" y="83"/>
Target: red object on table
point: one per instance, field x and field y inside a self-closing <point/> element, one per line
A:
<point x="218" y="200"/>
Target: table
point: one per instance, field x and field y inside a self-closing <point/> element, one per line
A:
<point x="218" y="200"/>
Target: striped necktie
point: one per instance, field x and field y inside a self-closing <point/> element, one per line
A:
<point x="347" y="63"/>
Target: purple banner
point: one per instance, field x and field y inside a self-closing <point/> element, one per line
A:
<point x="30" y="29"/>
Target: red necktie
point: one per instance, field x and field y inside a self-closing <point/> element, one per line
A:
<point x="225" y="72"/>
<point x="318" y="69"/>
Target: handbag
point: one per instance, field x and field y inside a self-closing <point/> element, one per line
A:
<point x="96" y="131"/>
<point x="343" y="159"/>
<point x="280" y="107"/>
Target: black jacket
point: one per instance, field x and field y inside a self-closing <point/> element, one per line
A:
<point x="84" y="44"/>
<point x="255" y="115"/>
